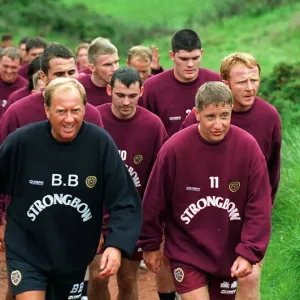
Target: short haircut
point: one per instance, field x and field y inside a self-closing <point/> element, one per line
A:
<point x="54" y="51"/>
<point x="141" y="52"/>
<point x="11" y="52"/>
<point x="185" y="39"/>
<point x="126" y="76"/>
<point x="23" y="40"/>
<point x="35" y="79"/>
<point x="34" y="67"/>
<point x="6" y="37"/>
<point x="100" y="46"/>
<point x="238" y="57"/>
<point x="35" y="42"/>
<point x="81" y="46"/>
<point x="63" y="84"/>
<point x="213" y="92"/>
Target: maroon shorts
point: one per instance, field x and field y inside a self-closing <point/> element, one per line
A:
<point x="188" y="278"/>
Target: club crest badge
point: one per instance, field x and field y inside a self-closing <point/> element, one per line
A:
<point x="138" y="159"/>
<point x="179" y="274"/>
<point x="91" y="181"/>
<point x="16" y="277"/>
<point x="234" y="186"/>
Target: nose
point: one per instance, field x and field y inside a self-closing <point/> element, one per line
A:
<point x="190" y="63"/>
<point x="126" y="101"/>
<point x="218" y="123"/>
<point x="249" y="85"/>
<point x="69" y="117"/>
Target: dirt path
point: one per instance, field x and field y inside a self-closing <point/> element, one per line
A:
<point x="147" y="288"/>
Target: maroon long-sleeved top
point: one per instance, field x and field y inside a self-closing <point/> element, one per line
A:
<point x="170" y="99"/>
<point x="262" y="121"/>
<point x="214" y="199"/>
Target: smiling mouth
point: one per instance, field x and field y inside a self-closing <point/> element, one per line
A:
<point x="68" y="127"/>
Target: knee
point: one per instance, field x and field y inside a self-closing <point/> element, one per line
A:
<point x="95" y="279"/>
<point x="127" y="283"/>
<point x="251" y="280"/>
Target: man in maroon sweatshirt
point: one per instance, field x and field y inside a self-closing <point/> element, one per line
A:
<point x="241" y="72"/>
<point x="34" y="47"/>
<point x="103" y="61"/>
<point x="139" y="135"/>
<point x="10" y="81"/>
<point x="171" y="94"/>
<point x="56" y="61"/>
<point x="214" y="199"/>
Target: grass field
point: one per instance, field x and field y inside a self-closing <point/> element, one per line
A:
<point x="173" y="13"/>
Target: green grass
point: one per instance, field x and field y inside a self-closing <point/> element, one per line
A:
<point x="281" y="274"/>
<point x="173" y="13"/>
<point x="273" y="37"/>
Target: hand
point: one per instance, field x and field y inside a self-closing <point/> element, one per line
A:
<point x="152" y="260"/>
<point x="241" y="268"/>
<point x="110" y="262"/>
<point x="101" y="243"/>
<point x="155" y="65"/>
<point x="2" y="245"/>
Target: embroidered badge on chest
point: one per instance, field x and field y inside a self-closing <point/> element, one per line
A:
<point x="138" y="159"/>
<point x="234" y="186"/>
<point x="91" y="181"/>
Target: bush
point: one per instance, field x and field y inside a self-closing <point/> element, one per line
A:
<point x="282" y="89"/>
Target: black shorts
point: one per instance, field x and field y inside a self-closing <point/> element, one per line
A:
<point x="23" y="277"/>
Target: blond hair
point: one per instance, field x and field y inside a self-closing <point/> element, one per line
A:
<point x="63" y="84"/>
<point x="100" y="46"/>
<point x="81" y="46"/>
<point x="213" y="92"/>
<point x="238" y="57"/>
<point x="141" y="52"/>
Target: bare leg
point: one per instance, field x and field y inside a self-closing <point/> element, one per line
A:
<point x="127" y="277"/>
<point x="32" y="295"/>
<point x="198" y="294"/>
<point x="9" y="295"/>
<point x="98" y="287"/>
<point x="249" y="287"/>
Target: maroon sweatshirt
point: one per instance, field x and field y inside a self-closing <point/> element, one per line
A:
<point x="138" y="139"/>
<point x="17" y="95"/>
<point x="262" y="121"/>
<point x="6" y="89"/>
<point x="95" y="95"/>
<point x="29" y="110"/>
<point x="24" y="70"/>
<point x="170" y="99"/>
<point x="214" y="199"/>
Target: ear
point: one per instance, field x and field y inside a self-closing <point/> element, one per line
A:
<point x="46" y="110"/>
<point x="172" y="55"/>
<point x="197" y="114"/>
<point x="142" y="91"/>
<point x="202" y="50"/>
<point x="109" y="90"/>
<point x="127" y="63"/>
<point x="226" y="82"/>
<point x="91" y="67"/>
<point x="44" y="77"/>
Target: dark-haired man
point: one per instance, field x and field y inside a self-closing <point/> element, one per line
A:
<point x="34" y="47"/>
<point x="218" y="208"/>
<point x="171" y="94"/>
<point x="10" y="81"/>
<point x="145" y="134"/>
<point x="22" y="48"/>
<point x="56" y="202"/>
<point x="6" y="40"/>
